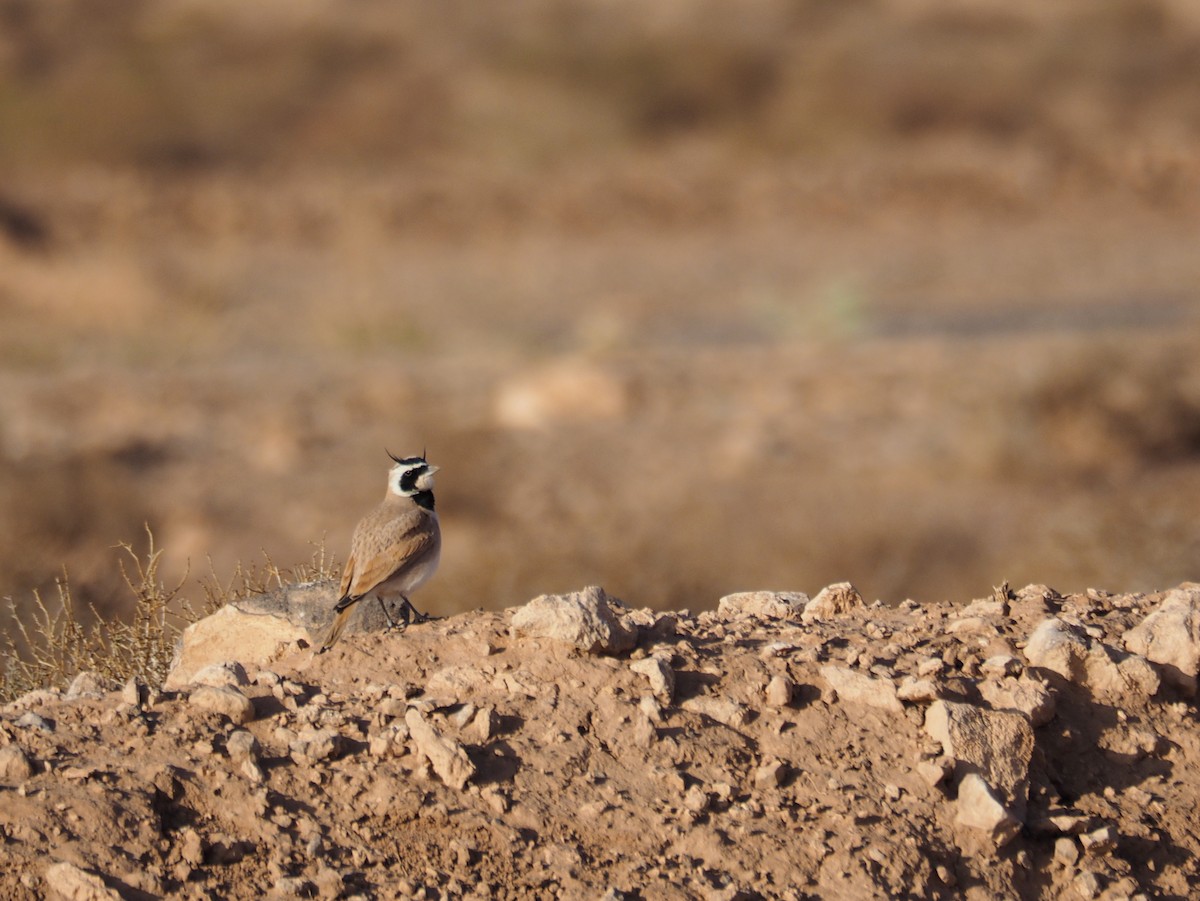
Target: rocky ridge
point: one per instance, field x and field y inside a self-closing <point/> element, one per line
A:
<point x="1025" y="745"/>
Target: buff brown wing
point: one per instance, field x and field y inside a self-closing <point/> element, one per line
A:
<point x="382" y="545"/>
<point x="385" y="549"/>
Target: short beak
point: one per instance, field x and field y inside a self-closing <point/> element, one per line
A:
<point x="430" y="470"/>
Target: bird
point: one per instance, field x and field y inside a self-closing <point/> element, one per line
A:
<point x="395" y="548"/>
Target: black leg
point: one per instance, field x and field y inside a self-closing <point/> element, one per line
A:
<point x="411" y="613"/>
<point x="386" y="615"/>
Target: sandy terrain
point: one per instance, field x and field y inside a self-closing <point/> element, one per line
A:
<point x="774" y="748"/>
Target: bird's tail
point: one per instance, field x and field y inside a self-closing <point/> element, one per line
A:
<point x="341" y="616"/>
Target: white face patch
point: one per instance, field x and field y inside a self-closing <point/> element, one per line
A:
<point x="407" y="479"/>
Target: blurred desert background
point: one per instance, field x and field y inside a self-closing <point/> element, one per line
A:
<point x="683" y="297"/>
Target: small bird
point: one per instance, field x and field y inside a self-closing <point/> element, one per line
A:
<point x="395" y="548"/>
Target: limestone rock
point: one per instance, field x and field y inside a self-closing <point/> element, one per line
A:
<point x="832" y="601"/>
<point x="979" y="808"/>
<point x="309" y="606"/>
<point x="15" y="765"/>
<point x="660" y="676"/>
<point x="779" y="691"/>
<point x="935" y="772"/>
<point x="454" y="682"/>
<point x="1170" y="637"/>
<point x="1066" y="851"/>
<point x="1001" y="665"/>
<point x="315" y="745"/>
<point x="242" y="745"/>
<point x="918" y="691"/>
<point x="228" y="672"/>
<point x="1114" y="675"/>
<point x="223" y="699"/>
<point x="389" y="741"/>
<point x="445" y="755"/>
<point x="243" y="750"/>
<point x="1025" y="695"/>
<point x="1060" y="647"/>
<point x="770" y="775"/>
<point x="566" y="391"/>
<point x="230" y="634"/>
<point x="66" y="880"/>
<point x="89" y="685"/>
<point x="859" y="688"/>
<point x="584" y="619"/>
<point x="997" y="744"/>
<point x="723" y="710"/>
<point x="31" y="720"/>
<point x="765" y="604"/>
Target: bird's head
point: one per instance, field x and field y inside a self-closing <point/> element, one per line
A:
<point x="410" y="476"/>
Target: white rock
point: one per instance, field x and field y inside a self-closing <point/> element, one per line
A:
<point x="779" y="691"/>
<point x="997" y="743"/>
<point x="227" y="672"/>
<point x="770" y="774"/>
<point x="242" y="745"/>
<point x="765" y="604"/>
<point x="445" y="755"/>
<point x="389" y="741"/>
<point x="917" y="691"/>
<point x="935" y="772"/>
<point x="858" y="688"/>
<point x="566" y="391"/>
<point x="967" y="624"/>
<point x="1086" y="885"/>
<point x="984" y="607"/>
<point x="463" y="715"/>
<point x="930" y="666"/>
<point x="1024" y="695"/>
<point x="89" y="685"/>
<point x="650" y="708"/>
<point x="76" y="884"/>
<point x="1001" y="665"/>
<point x="1066" y="851"/>
<point x="695" y="799"/>
<point x="31" y="720"/>
<point x="230" y="634"/>
<point x="1113" y="675"/>
<point x="315" y="745"/>
<point x="583" y="619"/>
<point x="37" y="698"/>
<point x="15" y="765"/>
<point x="224" y="699"/>
<point x="455" y="682"/>
<point x="723" y="710"/>
<point x="660" y="676"/>
<point x="1059" y="647"/>
<point x="979" y="808"/>
<point x="1099" y="841"/>
<point x="486" y="723"/>
<point x="833" y="601"/>
<point x="1170" y="636"/>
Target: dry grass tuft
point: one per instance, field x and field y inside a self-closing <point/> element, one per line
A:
<point x="59" y="645"/>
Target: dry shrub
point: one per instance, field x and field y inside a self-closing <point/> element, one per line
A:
<point x="57" y="644"/>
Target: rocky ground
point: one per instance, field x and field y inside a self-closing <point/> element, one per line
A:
<point x="1025" y="745"/>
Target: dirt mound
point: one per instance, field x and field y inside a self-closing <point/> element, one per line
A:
<point x="774" y="747"/>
